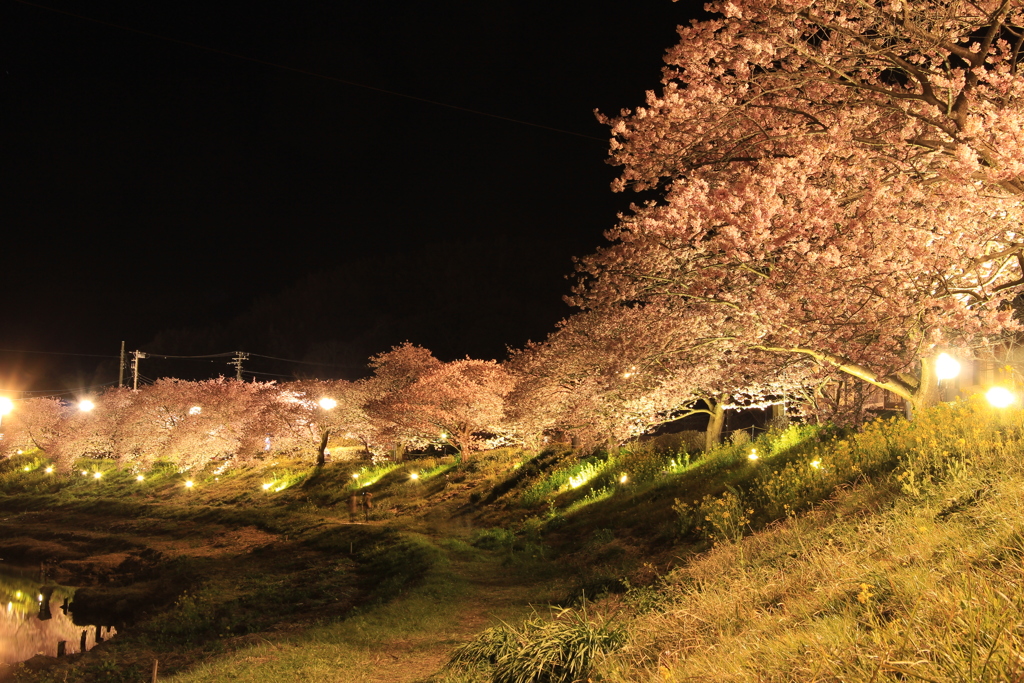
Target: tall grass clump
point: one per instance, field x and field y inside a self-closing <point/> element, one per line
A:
<point x="563" y="649"/>
<point x="567" y="477"/>
<point x="434" y="467"/>
<point x="367" y="476"/>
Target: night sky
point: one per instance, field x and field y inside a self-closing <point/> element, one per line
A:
<point x="189" y="202"/>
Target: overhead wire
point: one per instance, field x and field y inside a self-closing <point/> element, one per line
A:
<point x="209" y="355"/>
<point x="307" y="362"/>
<point x="56" y="392"/>
<point x="58" y="353"/>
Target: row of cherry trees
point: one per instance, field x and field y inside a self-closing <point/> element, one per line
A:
<point x="412" y="400"/>
<point x="592" y="382"/>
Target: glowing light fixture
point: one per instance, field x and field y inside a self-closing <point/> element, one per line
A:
<point x="49" y="470"/>
<point x="328" y="403"/>
<point x="189" y="484"/>
<point x="6" y="405"/>
<point x="946" y="367"/>
<point x="414" y="476"/>
<point x="140" y="478"/>
<point x="355" y="476"/>
<point x="85" y="405"/>
<point x="27" y="468"/>
<point x="752" y="456"/>
<point x="84" y="473"/>
<point x="998" y="397"/>
<point x="195" y="410"/>
<point x="816" y="464"/>
<point x="97" y="475"/>
<point x="266" y="487"/>
<point x="623" y="478"/>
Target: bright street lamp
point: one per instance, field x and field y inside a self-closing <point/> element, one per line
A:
<point x="946" y="367"/>
<point x="85" y="405"/>
<point x="6" y="406"/>
<point x="328" y="403"/>
<point x="998" y="397"/>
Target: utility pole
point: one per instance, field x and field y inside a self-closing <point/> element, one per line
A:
<point x="120" y="370"/>
<point x="237" y="362"/>
<point x="136" y="355"/>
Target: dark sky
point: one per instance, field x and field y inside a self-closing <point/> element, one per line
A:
<point x="188" y="201"/>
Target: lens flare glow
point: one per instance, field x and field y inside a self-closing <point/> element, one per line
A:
<point x="999" y="397"/>
<point x="946" y="367"/>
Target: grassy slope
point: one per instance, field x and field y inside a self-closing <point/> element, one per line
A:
<point x="910" y="571"/>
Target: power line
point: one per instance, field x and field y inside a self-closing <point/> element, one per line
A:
<point x="254" y="355"/>
<point x="309" y="73"/>
<point x="58" y="392"/>
<point x="60" y="353"/>
<point x="308" y="362"/>
<point x="265" y="374"/>
<point x="209" y="355"/>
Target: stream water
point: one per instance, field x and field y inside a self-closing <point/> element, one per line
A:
<point x="35" y="618"/>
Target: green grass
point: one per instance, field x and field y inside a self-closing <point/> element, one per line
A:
<point x="893" y="553"/>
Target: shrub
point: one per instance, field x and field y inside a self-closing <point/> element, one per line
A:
<point x="560" y="650"/>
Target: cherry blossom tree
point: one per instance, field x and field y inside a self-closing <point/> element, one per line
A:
<point x="416" y="400"/>
<point x="43" y="423"/>
<point x="189" y="423"/>
<point x="393" y="372"/>
<point x="612" y="374"/>
<point x="314" y="410"/>
<point x="835" y="180"/>
<point x="461" y="402"/>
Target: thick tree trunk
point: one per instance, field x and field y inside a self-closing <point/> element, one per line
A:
<point x="713" y="436"/>
<point x="321" y="454"/>
<point x="927" y="392"/>
<point x="924" y="395"/>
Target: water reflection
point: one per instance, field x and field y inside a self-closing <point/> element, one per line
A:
<point x="35" y="618"/>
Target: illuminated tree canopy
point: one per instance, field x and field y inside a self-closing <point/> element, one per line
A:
<point x="836" y="180"/>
